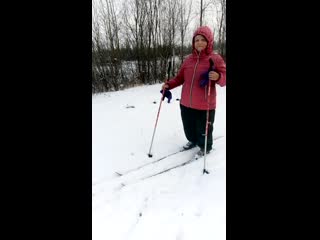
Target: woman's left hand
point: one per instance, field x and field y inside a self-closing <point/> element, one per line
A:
<point x="213" y="75"/>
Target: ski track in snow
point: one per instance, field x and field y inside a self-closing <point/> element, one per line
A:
<point x="161" y="162"/>
<point x="117" y="182"/>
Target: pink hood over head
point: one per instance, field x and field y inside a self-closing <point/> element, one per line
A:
<point x="207" y="33"/>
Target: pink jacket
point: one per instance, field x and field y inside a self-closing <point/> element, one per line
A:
<point x="192" y="95"/>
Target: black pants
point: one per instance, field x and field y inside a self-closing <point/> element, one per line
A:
<point x="194" y="125"/>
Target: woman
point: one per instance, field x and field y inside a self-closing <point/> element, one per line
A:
<point x="194" y="75"/>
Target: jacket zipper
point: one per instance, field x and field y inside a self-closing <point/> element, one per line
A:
<point x="194" y="71"/>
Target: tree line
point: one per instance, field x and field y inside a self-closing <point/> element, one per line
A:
<point x="133" y="43"/>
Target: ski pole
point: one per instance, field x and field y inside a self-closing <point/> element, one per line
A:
<point x="155" y="126"/>
<point x="207" y="121"/>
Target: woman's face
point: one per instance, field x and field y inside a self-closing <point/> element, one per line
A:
<point x="200" y="43"/>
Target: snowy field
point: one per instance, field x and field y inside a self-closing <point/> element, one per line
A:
<point x="180" y="204"/>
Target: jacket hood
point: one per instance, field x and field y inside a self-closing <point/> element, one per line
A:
<point x="207" y="33"/>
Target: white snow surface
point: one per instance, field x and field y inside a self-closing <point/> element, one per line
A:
<point x="180" y="204"/>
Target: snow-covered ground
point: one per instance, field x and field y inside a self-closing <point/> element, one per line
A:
<point x="181" y="204"/>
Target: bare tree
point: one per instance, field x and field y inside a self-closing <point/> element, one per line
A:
<point x="170" y="21"/>
<point x="133" y="45"/>
<point x="183" y="22"/>
<point x="203" y="8"/>
<point x="111" y="29"/>
<point x="220" y="6"/>
<point x="99" y="72"/>
<point x="106" y="61"/>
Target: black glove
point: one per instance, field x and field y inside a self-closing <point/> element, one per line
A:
<point x="167" y="94"/>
